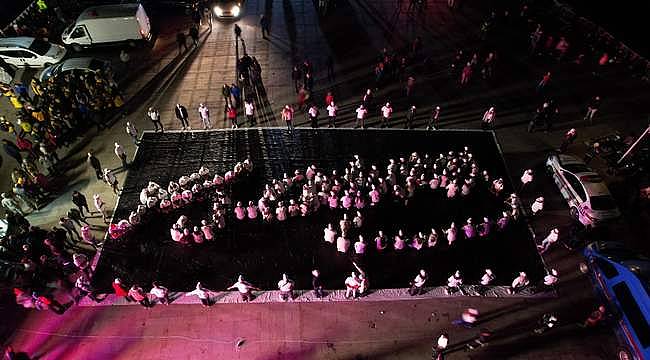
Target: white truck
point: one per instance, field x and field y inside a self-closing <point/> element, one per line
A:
<point x="108" y="24"/>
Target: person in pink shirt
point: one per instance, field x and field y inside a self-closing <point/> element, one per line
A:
<point x="386" y="113"/>
<point x="375" y="196"/>
<point x="251" y="210"/>
<point x="175" y="232"/>
<point x="206" y="228"/>
<point x="329" y="234"/>
<point x="281" y="212"/>
<point x="360" y="246"/>
<point x="469" y="229"/>
<point x="400" y="243"/>
<point x="346" y="200"/>
<point x="333" y="200"/>
<point x="240" y="211"/>
<point x="197" y="235"/>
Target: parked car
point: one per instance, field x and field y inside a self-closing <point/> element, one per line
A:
<point x="227" y="8"/>
<point x="26" y="51"/>
<point x="622" y="279"/>
<point x="81" y="64"/>
<point x="108" y="24"/>
<point x="589" y="199"/>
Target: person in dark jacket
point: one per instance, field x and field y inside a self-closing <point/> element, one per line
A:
<point x="182" y="116"/>
<point x="317" y="284"/>
<point x="80" y="201"/>
<point x="12" y="150"/>
<point x="96" y="165"/>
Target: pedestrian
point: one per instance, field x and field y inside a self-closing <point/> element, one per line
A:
<point x="132" y="131"/>
<point x="486" y="280"/>
<point x="160" y="292"/>
<point x="80" y="201"/>
<point x="286" y="288"/>
<point x="526" y="178"/>
<point x="235" y="92"/>
<point x="202" y="293"/>
<point x="313" y="113"/>
<point x="231" y="114"/>
<point x="120" y="291"/>
<point x="237" y="31"/>
<point x="154" y="116"/>
<point x="204" y="114"/>
<point x="245" y="289"/>
<point x="12" y="150"/>
<point x="67" y="224"/>
<point x="121" y="154"/>
<point x="329" y="63"/>
<point x="466" y="74"/>
<point x="296" y="76"/>
<point x="249" y="111"/>
<point x="84" y="288"/>
<point x="317" y="284"/>
<point x="75" y="215"/>
<point x="287" y="116"/>
<point x="537" y="206"/>
<point x="551" y="239"/>
<point x="352" y="284"/>
<point x="488" y="119"/>
<point x="265" y="25"/>
<point x="95" y="164"/>
<point x="592" y="109"/>
<point x="181" y="40"/>
<point x="434" y="120"/>
<point x="386" y="113"/>
<point x="519" y="283"/>
<point x="194" y="34"/>
<point x="410" y="117"/>
<point x="137" y="294"/>
<point x="362" y="112"/>
<point x="410" y="82"/>
<point x="332" y="109"/>
<point x="454" y="284"/>
<point x="182" y="116"/>
<point x="551" y="278"/>
<point x="441" y="343"/>
<point x="569" y="137"/>
<point x="112" y="181"/>
<point x="468" y="318"/>
<point x="225" y="92"/>
<point x="595" y="318"/>
<point x="101" y="207"/>
<point x="417" y="285"/>
<point x="541" y="85"/>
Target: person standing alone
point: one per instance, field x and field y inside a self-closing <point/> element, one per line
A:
<point x="182" y="116"/>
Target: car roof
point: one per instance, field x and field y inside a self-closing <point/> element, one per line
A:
<point x="77" y="63"/>
<point x="19" y="42"/>
<point x="108" y="11"/>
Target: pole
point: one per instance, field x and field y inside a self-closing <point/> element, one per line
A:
<point x="647" y="130"/>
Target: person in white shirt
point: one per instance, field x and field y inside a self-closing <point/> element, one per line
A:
<point x="380" y="241"/>
<point x="244" y="288"/>
<point x="352" y="284"/>
<point x="331" y="114"/>
<point x="132" y="131"/>
<point x="451" y="233"/>
<point x="433" y="238"/>
<point x="313" y="116"/>
<point x="362" y="112"/>
<point x="439" y="346"/>
<point x="417" y="285"/>
<point x="519" y="283"/>
<point x="551" y="278"/>
<point x="101" y="207"/>
<point x="488" y="119"/>
<point x="454" y="283"/>
<point x="386" y="113"/>
<point x="329" y="234"/>
<point x="526" y="177"/>
<point x="121" y="154"/>
<point x="360" y="246"/>
<point x="160" y="292"/>
<point x="202" y="293"/>
<point x="551" y="239"/>
<point x="154" y="116"/>
<point x="537" y="206"/>
<point x="486" y="280"/>
<point x="204" y="114"/>
<point x="342" y="244"/>
<point x="249" y="111"/>
<point x="364" y="283"/>
<point x="286" y="288"/>
<point x="400" y="242"/>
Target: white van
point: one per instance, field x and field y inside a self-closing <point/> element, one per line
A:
<point x="108" y="24"/>
<point x="29" y="52"/>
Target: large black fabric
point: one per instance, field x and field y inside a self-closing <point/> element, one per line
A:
<point x="262" y="252"/>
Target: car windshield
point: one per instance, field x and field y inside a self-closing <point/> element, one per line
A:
<point x="576" y="168"/>
<point x="40" y="47"/>
<point x="602" y="202"/>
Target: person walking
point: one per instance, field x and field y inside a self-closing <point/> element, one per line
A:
<point x="182" y="116"/>
<point x="249" y="111"/>
<point x="225" y="92"/>
<point x="154" y="116"/>
<point x="386" y="113"/>
<point x="237" y="31"/>
<point x="181" y="40"/>
<point x="313" y="115"/>
<point x="488" y="119"/>
<point x="265" y="26"/>
<point x="204" y="114"/>
<point x="434" y="120"/>
<point x="245" y="289"/>
<point x="541" y="85"/>
<point x="80" y="201"/>
<point x="287" y="116"/>
<point x="592" y="109"/>
<point x="121" y="154"/>
<point x="362" y="112"/>
<point x="332" y="109"/>
<point x="68" y="225"/>
<point x="101" y="207"/>
<point x="440" y="346"/>
<point x="231" y="114"/>
<point x="194" y="34"/>
<point x="417" y="285"/>
<point x="410" y="117"/>
<point x="468" y="318"/>
<point x="317" y="284"/>
<point x="569" y="137"/>
<point x="95" y="164"/>
<point x="235" y="92"/>
<point x="202" y="293"/>
<point x="132" y="131"/>
<point x="111" y="180"/>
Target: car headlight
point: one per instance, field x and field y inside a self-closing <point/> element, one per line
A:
<point x="218" y="11"/>
<point x="235" y="10"/>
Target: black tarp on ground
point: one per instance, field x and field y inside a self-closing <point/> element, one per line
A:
<point x="262" y="252"/>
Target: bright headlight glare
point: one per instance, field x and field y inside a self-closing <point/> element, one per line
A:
<point x="218" y="11"/>
<point x="235" y="10"/>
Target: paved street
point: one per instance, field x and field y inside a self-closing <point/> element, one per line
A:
<point x="354" y="33"/>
